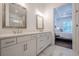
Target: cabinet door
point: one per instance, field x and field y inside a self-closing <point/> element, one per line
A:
<point x="15" y="50"/>
<point x="49" y="38"/>
<point x="30" y="49"/>
<point x="33" y="47"/>
<point x="40" y="42"/>
<point x="27" y="48"/>
<point x="43" y="40"/>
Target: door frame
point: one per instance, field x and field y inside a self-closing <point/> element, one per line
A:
<point x="74" y="40"/>
<point x="73" y="31"/>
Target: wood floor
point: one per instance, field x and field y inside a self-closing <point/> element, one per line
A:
<point x="64" y="43"/>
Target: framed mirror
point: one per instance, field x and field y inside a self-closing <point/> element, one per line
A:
<point x="39" y="22"/>
<point x="14" y="16"/>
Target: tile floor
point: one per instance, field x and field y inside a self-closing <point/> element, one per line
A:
<point x="57" y="51"/>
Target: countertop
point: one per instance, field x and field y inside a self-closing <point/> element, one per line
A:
<point x="2" y="36"/>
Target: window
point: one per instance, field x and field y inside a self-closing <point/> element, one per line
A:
<point x="67" y="26"/>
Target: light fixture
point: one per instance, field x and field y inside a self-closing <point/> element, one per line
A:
<point x="38" y="12"/>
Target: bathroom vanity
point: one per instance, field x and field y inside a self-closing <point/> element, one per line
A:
<point x="24" y="44"/>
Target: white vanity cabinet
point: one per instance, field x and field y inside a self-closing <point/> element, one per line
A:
<point x="22" y="49"/>
<point x="43" y="41"/>
<point x="24" y="45"/>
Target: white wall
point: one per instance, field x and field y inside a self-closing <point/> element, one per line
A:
<point x="31" y="20"/>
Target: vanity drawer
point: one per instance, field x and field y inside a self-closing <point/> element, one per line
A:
<point x="25" y="38"/>
<point x="8" y="42"/>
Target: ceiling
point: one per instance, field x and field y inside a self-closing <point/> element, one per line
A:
<point x="45" y="4"/>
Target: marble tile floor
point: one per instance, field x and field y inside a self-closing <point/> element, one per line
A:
<point x="57" y="51"/>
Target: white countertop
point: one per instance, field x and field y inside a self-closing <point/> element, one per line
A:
<point x="15" y="35"/>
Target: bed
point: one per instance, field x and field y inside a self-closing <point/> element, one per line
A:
<point x="64" y="35"/>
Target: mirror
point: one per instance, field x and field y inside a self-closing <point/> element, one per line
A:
<point x="14" y="16"/>
<point x="39" y="22"/>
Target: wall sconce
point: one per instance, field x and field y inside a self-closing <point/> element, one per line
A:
<point x="22" y="4"/>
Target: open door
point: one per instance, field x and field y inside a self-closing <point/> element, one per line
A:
<point x="63" y="25"/>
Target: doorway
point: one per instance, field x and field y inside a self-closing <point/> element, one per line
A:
<point x="63" y="25"/>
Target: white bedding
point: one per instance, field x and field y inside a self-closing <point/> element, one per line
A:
<point x="65" y="35"/>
